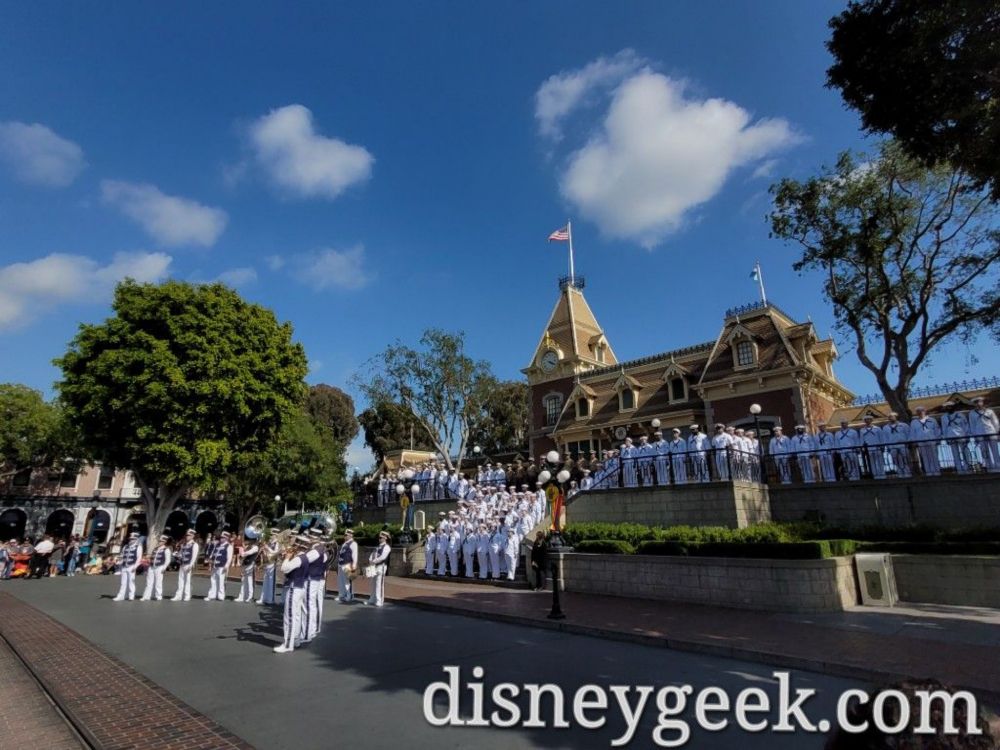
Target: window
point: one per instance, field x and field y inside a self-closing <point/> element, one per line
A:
<point x="553" y="405"/>
<point x="582" y="408"/>
<point x="22" y="478"/>
<point x="677" y="390"/>
<point x="578" y="450"/>
<point x="626" y="398"/>
<point x="744" y="354"/>
<point x="599" y="353"/>
<point x="68" y="477"/>
<point x="107" y="477"/>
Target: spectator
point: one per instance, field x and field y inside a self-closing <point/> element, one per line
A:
<point x="40" y="558"/>
<point x="72" y="555"/>
<point x="539" y="560"/>
<point x="56" y="558"/>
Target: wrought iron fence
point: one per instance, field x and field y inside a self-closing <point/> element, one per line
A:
<point x="941" y="389"/>
<point x="680" y="467"/>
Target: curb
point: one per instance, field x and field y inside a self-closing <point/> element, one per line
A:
<point x="775" y="659"/>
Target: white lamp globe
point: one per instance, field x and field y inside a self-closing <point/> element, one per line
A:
<point x="655" y="423"/>
<point x="400" y="489"/>
<point x="415" y="488"/>
<point x="407" y="474"/>
<point x="562" y="477"/>
<point x="277" y="498"/>
<point x="477" y="450"/>
<point x="552" y="457"/>
<point x="544" y="477"/>
<point x="755" y="409"/>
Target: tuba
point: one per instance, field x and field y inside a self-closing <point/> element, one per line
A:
<point x="256" y="527"/>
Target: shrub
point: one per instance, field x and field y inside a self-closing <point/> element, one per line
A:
<point x="654" y="547"/>
<point x="816" y="550"/>
<point x="605" y="547"/>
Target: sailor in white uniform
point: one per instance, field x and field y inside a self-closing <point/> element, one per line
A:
<point x="483" y="551"/>
<point x="430" y="545"/>
<point x="677" y="449"/>
<point x="984" y="427"/>
<point x="187" y="558"/>
<point x="824" y="452"/>
<point x="870" y="437"/>
<point x="721" y="443"/>
<point x="158" y="563"/>
<point x="803" y="447"/>
<point x="498" y="541"/>
<point x="955" y="429"/>
<point x="896" y="436"/>
<point x="779" y="447"/>
<point x="698" y="443"/>
<point x="646" y="455"/>
<point x="222" y="558"/>
<point x="585" y="483"/>
<point x="926" y="434"/>
<point x="662" y="449"/>
<point x="454" y="548"/>
<point x="846" y="440"/>
<point x="512" y="546"/>
<point x="629" y="456"/>
<point x="129" y="559"/>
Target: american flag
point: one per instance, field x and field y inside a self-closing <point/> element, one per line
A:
<point x="560" y="235"/>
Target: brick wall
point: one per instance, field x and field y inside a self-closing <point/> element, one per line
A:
<point x="946" y="502"/>
<point x="773" y="585"/>
<point x="731" y="504"/>
<point x="967" y="581"/>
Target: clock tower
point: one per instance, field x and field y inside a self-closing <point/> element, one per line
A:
<point x="572" y="343"/>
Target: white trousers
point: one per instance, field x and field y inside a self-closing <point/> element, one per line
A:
<point x="183" y="583"/>
<point x="826" y="466"/>
<point x="784" y="469"/>
<point x="293" y="616"/>
<point x="849" y="459"/>
<point x="312" y="620"/>
<point x="699" y="466"/>
<point x="484" y="564"/>
<point x="377" y="597"/>
<point x="929" y="459"/>
<point x="680" y="469"/>
<point x="154" y="584"/>
<point x="901" y="460"/>
<point x="246" y="585"/>
<point x="469" y="557"/>
<point x="429" y="565"/>
<point x="662" y="472"/>
<point x="345" y="586"/>
<point x="876" y="461"/>
<point x="494" y="563"/>
<point x="453" y="561"/>
<point x="127" y="589"/>
<point x="442" y="561"/>
<point x="267" y="587"/>
<point x="722" y="465"/>
<point x="960" y="453"/>
<point x="988" y="452"/>
<point x="511" y="558"/>
<point x="806" y="468"/>
<point x="216" y="585"/>
<point x="629" y="470"/>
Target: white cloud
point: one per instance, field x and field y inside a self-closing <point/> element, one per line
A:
<point x="563" y="92"/>
<point x="341" y="269"/>
<point x="765" y="169"/>
<point x="168" y="219"/>
<point x="659" y="153"/>
<point x="300" y="160"/>
<point x="275" y="262"/>
<point x="31" y="288"/>
<point x="238" y="276"/>
<point x="38" y="156"/>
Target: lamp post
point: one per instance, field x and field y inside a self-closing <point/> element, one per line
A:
<point x="755" y="413"/>
<point x="404" y="537"/>
<point x="555" y="544"/>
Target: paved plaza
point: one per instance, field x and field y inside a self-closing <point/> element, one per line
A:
<point x="362" y="682"/>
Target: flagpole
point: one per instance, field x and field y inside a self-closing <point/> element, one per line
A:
<point x="760" y="280"/>
<point x="569" y="231"/>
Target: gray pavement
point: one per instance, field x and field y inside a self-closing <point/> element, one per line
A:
<point x="362" y="682"/>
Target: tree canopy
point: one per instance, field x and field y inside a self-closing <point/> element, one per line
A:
<point x="33" y="432"/>
<point x="909" y="256"/>
<point x="438" y="384"/>
<point x="184" y="385"/>
<point x="388" y="427"/>
<point x="332" y="409"/>
<point x="928" y="73"/>
<point x="503" y="423"/>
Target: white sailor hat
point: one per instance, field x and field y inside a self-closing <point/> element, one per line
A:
<point x="191" y="532"/>
<point x="676" y="430"/>
<point x="225" y="534"/>
<point x="978" y="400"/>
<point x="921" y="408"/>
<point x="164" y="538"/>
<point x="719" y="426"/>
<point x="658" y="432"/>
<point x="695" y="427"/>
<point x="348" y="532"/>
<point x="800" y="427"/>
<point x="134" y="535"/>
<point x="586" y="471"/>
<point x="869" y="417"/>
<point x="384" y="534"/>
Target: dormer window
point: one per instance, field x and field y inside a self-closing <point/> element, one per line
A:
<point x="627" y="388"/>
<point x="744" y="348"/>
<point x="678" y="390"/>
<point x="745" y="355"/>
<point x="582" y="408"/>
<point x="626" y="399"/>
<point x="599" y="353"/>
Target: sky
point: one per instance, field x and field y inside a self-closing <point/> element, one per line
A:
<point x="369" y="170"/>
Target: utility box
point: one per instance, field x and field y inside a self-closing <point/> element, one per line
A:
<point x="419" y="523"/>
<point x="878" y="583"/>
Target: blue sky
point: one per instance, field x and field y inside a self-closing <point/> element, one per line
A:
<point x="369" y="170"/>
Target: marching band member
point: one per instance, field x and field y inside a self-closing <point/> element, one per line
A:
<point x="312" y="623"/>
<point x="222" y="558"/>
<point x="131" y="556"/>
<point x="296" y="569"/>
<point x="187" y="557"/>
<point x="380" y="559"/>
<point x="248" y="569"/>
<point x="924" y="431"/>
<point x="270" y="553"/>
<point x="154" y="574"/>
<point x="347" y="566"/>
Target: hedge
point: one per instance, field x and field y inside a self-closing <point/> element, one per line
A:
<point x="367" y="536"/>
<point x="605" y="547"/>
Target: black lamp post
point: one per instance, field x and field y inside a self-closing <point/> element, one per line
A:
<point x="556" y="544"/>
<point x="755" y="412"/>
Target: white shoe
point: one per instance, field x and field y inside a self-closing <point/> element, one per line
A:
<point x="175" y="599"/>
<point x="118" y="599"/>
<point x="143" y="599"/>
<point x="283" y="649"/>
<point x="238" y="599"/>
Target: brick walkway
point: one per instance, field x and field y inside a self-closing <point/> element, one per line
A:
<point x="27" y="717"/>
<point x="109" y="703"/>
<point x="959" y="646"/>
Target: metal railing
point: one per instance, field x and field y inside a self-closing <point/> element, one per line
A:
<point x="681" y="467"/>
<point x="941" y="389"/>
<point x="901" y="460"/>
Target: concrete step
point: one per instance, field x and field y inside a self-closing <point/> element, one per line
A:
<point x="518" y="583"/>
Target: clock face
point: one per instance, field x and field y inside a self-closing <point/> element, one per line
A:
<point x="621" y="433"/>
<point x="549" y="361"/>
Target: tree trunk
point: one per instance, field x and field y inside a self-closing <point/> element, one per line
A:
<point x="158" y="508"/>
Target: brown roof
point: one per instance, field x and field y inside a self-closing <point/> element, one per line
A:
<point x="933" y="404"/>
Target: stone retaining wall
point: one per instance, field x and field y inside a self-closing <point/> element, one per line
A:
<point x="963" y="580"/>
<point x="731" y="504"/>
<point x="773" y="585"/>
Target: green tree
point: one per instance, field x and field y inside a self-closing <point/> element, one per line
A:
<point x="909" y="256"/>
<point x="185" y="385"/>
<point x="438" y="384"/>
<point x="928" y="73"/>
<point x="331" y="408"/>
<point x="503" y="423"/>
<point x="388" y="426"/>
<point x="34" y="433"/>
